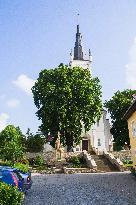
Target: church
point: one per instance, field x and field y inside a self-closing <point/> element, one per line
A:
<point x="98" y="138"/>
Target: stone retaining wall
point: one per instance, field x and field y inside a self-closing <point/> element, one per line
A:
<point x="89" y="161"/>
<point x="49" y="157"/>
<point x="115" y="161"/>
<point x="78" y="170"/>
<point x="33" y="154"/>
<point x="122" y="155"/>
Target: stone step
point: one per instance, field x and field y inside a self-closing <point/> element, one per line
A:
<point x="103" y="164"/>
<point x="58" y="171"/>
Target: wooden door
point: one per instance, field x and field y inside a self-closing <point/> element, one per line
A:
<point x="85" y="145"/>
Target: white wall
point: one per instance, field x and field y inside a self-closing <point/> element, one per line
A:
<point x="80" y="63"/>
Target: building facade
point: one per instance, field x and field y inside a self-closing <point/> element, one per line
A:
<point x="131" y="118"/>
<point x="98" y="138"/>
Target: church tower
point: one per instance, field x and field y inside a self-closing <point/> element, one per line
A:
<point x="78" y="58"/>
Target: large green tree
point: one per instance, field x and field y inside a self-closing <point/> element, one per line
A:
<point x="11" y="143"/>
<point x="34" y="143"/>
<point x="67" y="98"/>
<point x="117" y="107"/>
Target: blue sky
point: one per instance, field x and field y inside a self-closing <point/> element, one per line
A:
<point x="39" y="34"/>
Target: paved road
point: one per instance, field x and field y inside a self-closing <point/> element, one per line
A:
<point x="83" y="189"/>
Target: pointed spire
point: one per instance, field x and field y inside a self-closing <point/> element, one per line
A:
<point x="78" y="53"/>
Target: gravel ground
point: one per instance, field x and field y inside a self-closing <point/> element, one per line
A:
<point x="82" y="189"/>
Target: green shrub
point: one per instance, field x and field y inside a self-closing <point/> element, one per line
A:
<point x="76" y="161"/>
<point x="39" y="161"/>
<point x="24" y="161"/>
<point x="128" y="162"/>
<point x="6" y="163"/>
<point x="10" y="195"/>
<point x="22" y="167"/>
<point x="124" y="161"/>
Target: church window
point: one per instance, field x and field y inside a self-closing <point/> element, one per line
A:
<point x="77" y="149"/>
<point x="99" y="142"/>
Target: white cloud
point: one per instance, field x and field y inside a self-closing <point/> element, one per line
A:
<point x="3" y="120"/>
<point x="131" y="67"/>
<point x="24" y="83"/>
<point x="13" y="103"/>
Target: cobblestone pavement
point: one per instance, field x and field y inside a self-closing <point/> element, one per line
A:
<point x="83" y="189"/>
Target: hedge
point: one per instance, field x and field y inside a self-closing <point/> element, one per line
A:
<point x="22" y="167"/>
<point x="10" y="195"/>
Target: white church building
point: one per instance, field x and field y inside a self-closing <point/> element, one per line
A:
<point x="98" y="138"/>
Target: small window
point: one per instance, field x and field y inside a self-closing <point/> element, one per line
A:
<point x="133" y="129"/>
<point x="77" y="149"/>
<point x="99" y="142"/>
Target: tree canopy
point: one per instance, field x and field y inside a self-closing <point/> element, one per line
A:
<point x="67" y="98"/>
<point x="117" y="107"/>
<point x="34" y="143"/>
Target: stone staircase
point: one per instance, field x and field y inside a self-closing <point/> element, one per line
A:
<point x="103" y="164"/>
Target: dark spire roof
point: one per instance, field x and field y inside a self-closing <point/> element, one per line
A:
<point x="78" y="53"/>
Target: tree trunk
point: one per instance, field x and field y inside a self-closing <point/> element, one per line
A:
<point x="69" y="142"/>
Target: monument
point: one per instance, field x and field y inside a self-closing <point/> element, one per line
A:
<point x="59" y="150"/>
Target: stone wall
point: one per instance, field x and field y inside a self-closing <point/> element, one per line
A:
<point x="33" y="154"/>
<point x="89" y="161"/>
<point x="71" y="154"/>
<point x="78" y="170"/>
<point x="49" y="157"/>
<point x="91" y="165"/>
<point x="122" y="155"/>
<point x="115" y="161"/>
